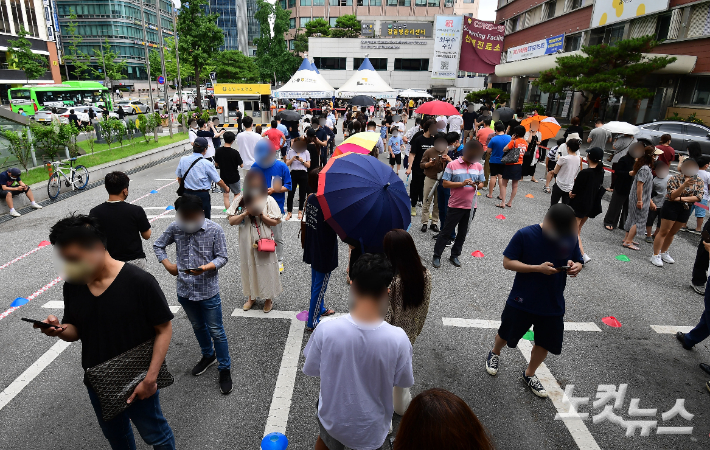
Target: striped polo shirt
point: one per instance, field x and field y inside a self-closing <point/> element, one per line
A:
<point x="457" y="171"/>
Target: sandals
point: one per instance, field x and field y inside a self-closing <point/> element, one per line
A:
<point x="546" y="190"/>
<point x="500" y="205"/>
<point x="300" y="215"/>
<point x="329" y="312"/>
<point x="509" y="205"/>
<point x="248" y="305"/>
<point x="288" y="216"/>
<point x="609" y="227"/>
<point x="489" y="196"/>
<point x="630" y="246"/>
<point x="267" y="309"/>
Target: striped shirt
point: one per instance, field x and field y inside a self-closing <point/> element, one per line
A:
<point x="457" y="171"/>
<point x="206" y="245"/>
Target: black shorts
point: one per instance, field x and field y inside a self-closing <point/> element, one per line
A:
<point x="512" y="172"/>
<point x="396" y="160"/>
<point x="496" y="168"/>
<point x="16" y="193"/>
<point x="675" y="211"/>
<point x="548" y="330"/>
<point x="551" y="165"/>
<point x="654" y="216"/>
<point x="284" y="150"/>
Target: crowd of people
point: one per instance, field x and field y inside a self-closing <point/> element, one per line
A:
<point x="366" y="354"/>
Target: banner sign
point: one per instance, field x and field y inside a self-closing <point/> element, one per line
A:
<point x="537" y="48"/>
<point x="367" y="29"/>
<point x="621" y="10"/>
<point x="406" y="29"/>
<point x="447" y="46"/>
<point x="481" y="47"/>
<point x="391" y="43"/>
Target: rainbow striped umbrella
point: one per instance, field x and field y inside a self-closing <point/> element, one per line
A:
<point x="362" y="143"/>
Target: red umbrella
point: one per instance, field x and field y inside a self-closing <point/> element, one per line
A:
<point x="438" y="108"/>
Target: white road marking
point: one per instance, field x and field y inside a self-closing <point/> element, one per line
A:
<point x="162" y="208"/>
<point x="670" y="329"/>
<point x="579" y="431"/>
<point x="174" y="309"/>
<point x="165" y="179"/>
<point x="165" y="216"/>
<point x="54" y="304"/>
<point x="481" y="323"/>
<point x="28" y="375"/>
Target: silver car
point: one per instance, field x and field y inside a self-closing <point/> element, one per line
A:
<point x="682" y="134"/>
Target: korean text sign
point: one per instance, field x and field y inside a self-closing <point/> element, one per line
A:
<point x="481" y="47"/>
<point x="447" y="46"/>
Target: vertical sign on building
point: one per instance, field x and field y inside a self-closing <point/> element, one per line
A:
<point x="447" y="46"/>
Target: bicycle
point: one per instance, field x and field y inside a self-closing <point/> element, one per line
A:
<point x="77" y="178"/>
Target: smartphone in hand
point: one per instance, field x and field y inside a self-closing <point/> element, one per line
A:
<point x="40" y="324"/>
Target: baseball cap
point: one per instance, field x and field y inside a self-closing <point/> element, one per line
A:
<point x="573" y="137"/>
<point x="201" y="142"/>
<point x="595" y="154"/>
<point x="14" y="171"/>
<point x="658" y="151"/>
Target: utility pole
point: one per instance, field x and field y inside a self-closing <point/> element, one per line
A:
<point x="103" y="63"/>
<point x="177" y="61"/>
<point x="147" y="58"/>
<point x="162" y="62"/>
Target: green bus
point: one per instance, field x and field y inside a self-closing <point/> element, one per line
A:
<point x="70" y="93"/>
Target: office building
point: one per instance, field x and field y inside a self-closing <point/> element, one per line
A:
<point x="236" y="19"/>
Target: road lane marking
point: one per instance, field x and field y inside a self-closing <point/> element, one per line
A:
<point x="174" y="309"/>
<point x="163" y="216"/>
<point x="576" y="427"/>
<point x="31" y="297"/>
<point x="42" y="245"/>
<point x="28" y="375"/>
<point x="149" y="194"/>
<point x="670" y="329"/>
<point x="59" y="304"/>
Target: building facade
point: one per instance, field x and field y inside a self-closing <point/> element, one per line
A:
<point x="30" y="16"/>
<point x="121" y="22"/>
<point x="236" y="19"/>
<point x="538" y="31"/>
<point x="466" y="8"/>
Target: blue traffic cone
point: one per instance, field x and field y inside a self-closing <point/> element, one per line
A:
<point x="274" y="441"/>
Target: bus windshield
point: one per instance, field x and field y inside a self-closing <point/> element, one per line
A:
<point x="43" y="97"/>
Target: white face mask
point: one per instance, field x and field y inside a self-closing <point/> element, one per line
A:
<point x="190" y="227"/>
<point x="395" y="134"/>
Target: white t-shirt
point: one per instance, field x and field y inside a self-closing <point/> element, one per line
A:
<point x="193" y="135"/>
<point x="358" y="365"/>
<point x="401" y="127"/>
<point x="569" y="167"/>
<point x="455" y="123"/>
<point x="246" y="141"/>
<point x="705" y="176"/>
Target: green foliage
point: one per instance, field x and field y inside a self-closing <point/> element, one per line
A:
<point x="131" y="129"/>
<point x="21" y="50"/>
<point x="273" y="59"/>
<point x="90" y="138"/>
<point x="530" y="107"/>
<point x="171" y="68"/>
<point x="200" y="37"/>
<point x="119" y="130"/>
<point x="145" y="125"/>
<point x="180" y="117"/>
<point x="605" y="70"/>
<point x="109" y="59"/>
<point x="693" y="118"/>
<point x="300" y="42"/>
<point x="113" y="130"/>
<point x="488" y="95"/>
<point x="45" y="139"/>
<point x="20" y="146"/>
<point x="66" y="137"/>
<point x="72" y="54"/>
<point x="232" y="66"/>
<point x="346" y="26"/>
<point x="318" y="27"/>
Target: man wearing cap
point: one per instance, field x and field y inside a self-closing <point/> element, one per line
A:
<point x="12" y="185"/>
<point x="198" y="173"/>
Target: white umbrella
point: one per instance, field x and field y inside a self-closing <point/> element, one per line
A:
<point x="621" y="127"/>
<point x="411" y="93"/>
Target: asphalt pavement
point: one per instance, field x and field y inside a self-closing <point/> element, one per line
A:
<point x="43" y="403"/>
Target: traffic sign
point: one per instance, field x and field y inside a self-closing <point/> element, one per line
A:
<point x="161" y="80"/>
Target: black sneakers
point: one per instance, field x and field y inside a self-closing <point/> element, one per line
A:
<point x="225" y="381"/>
<point x="434" y="227"/>
<point x="424" y="227"/>
<point x="204" y="363"/>
<point x="535" y="385"/>
<point x="681" y="337"/>
<point x="455" y="261"/>
<point x="436" y="262"/>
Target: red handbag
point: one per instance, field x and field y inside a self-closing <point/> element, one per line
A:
<point x="263" y="244"/>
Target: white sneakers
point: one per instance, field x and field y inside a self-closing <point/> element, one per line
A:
<point x="14" y="213"/>
<point x="35" y="205"/>
<point x="658" y="260"/>
<point x="586" y="258"/>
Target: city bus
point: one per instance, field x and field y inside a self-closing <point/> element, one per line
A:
<point x="31" y="98"/>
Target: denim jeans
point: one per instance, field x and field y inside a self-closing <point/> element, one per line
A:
<point x="206" y="319"/>
<point x="319" y="284"/>
<point x="443" y="194"/>
<point x="147" y="418"/>
<point x="702" y="329"/>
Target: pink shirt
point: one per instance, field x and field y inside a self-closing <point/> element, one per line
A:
<point x="274" y="136"/>
<point x="457" y="171"/>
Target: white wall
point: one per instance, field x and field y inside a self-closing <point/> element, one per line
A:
<point x="351" y="49"/>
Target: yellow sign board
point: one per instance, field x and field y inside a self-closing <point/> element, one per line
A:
<point x="241" y="89"/>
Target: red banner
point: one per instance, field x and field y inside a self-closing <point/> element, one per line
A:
<point x="481" y="47"/>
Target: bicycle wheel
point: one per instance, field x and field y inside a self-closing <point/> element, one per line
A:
<point x="81" y="177"/>
<point x="54" y="186"/>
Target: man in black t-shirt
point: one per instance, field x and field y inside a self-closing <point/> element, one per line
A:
<point x="420" y="143"/>
<point x="122" y="223"/>
<point x="469" y="123"/>
<point x="74" y="119"/>
<point x="229" y="161"/>
<point x="113" y="307"/>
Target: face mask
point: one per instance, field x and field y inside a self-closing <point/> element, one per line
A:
<point x="77" y="272"/>
<point x="395" y="134"/>
<point x="13" y="178"/>
<point x="321" y="122"/>
<point x="190" y="227"/>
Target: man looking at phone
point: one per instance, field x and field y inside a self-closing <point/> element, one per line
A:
<point x="100" y="293"/>
<point x="201" y="250"/>
<point x="12" y="185"/>
<point x="543" y="256"/>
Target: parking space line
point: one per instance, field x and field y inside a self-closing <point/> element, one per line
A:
<point x="174" y="309"/>
<point x="54" y="304"/>
<point x="28" y="375"/>
<point x="494" y="324"/>
<point x="670" y="329"/>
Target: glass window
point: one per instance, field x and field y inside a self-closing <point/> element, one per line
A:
<point x="291" y="3"/>
<point x="31" y="18"/>
<point x="433" y="3"/>
<point x="702" y="91"/>
<point x="305" y="20"/>
<point x="290" y="44"/>
<point x="663" y="24"/>
<point x="332" y="21"/>
<point x="20" y="94"/>
<point x="676" y="128"/>
<point x="695" y="130"/>
<point x="551" y="9"/>
<point x="4" y="18"/>
<point x="377" y="63"/>
<point x="305" y="3"/>
<point x="576" y="4"/>
<point x="378" y="2"/>
<point x="330" y="63"/>
<point x="391" y="2"/>
<point x="318" y="2"/>
<point x="17" y="15"/>
<point x="412" y="65"/>
<point x="514" y="23"/>
<point x="334" y="2"/>
<point x="616" y="34"/>
<point x="292" y="23"/>
<point x="573" y="42"/>
<point x="449" y="3"/>
<point x="405" y="2"/>
<point x="420" y="3"/>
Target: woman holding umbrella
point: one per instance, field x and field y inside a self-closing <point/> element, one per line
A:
<point x="533" y="137"/>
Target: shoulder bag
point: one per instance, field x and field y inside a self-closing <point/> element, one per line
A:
<point x="116" y="379"/>
<point x="302" y="231"/>
<point x="510" y="156"/>
<point x="181" y="188"/>
<point x="263" y="244"/>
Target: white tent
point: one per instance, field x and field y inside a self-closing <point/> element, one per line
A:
<point x="306" y="82"/>
<point x="366" y="81"/>
<point x="411" y="93"/>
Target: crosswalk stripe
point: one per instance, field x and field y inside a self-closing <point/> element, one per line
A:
<point x="670" y="329"/>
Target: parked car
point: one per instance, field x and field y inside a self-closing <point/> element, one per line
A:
<point x="132" y="107"/>
<point x="682" y="134"/>
<point x="83" y="113"/>
<point x="45" y="115"/>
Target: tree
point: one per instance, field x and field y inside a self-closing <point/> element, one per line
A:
<point x="488" y="96"/>
<point x="171" y="71"/>
<point x="605" y="70"/>
<point x="346" y="26"/>
<point x="200" y="38"/>
<point x="273" y="59"/>
<point x="108" y="59"/>
<point x="232" y="66"/>
<point x="20" y="146"/>
<point x="300" y="42"/>
<point x="73" y="55"/>
<point x="33" y="64"/>
<point x="318" y="27"/>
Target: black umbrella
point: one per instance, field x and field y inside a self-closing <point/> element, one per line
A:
<point x="289" y="114"/>
<point x="362" y="100"/>
<point x="505" y="114"/>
